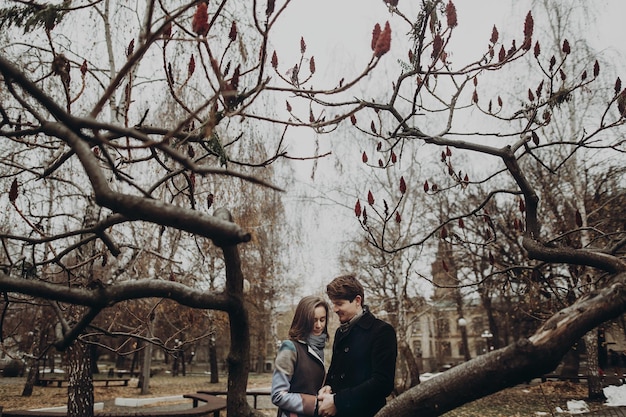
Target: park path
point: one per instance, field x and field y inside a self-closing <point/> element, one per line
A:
<point x="607" y="412"/>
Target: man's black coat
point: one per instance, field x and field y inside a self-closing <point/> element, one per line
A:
<point x="363" y="366"/>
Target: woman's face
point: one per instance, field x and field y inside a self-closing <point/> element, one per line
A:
<point x="319" y="322"/>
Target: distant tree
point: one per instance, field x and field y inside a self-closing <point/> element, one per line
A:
<point x="389" y="286"/>
<point x="390" y="279"/>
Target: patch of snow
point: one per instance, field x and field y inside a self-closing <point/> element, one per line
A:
<point x="427" y="375"/>
<point x="53" y="371"/>
<point x="615" y="395"/>
<point x="63" y="409"/>
<point x="138" y="402"/>
<point x="577" y="407"/>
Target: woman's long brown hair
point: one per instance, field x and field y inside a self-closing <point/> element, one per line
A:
<point x="303" y="318"/>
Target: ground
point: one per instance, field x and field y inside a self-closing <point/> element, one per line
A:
<point x="535" y="399"/>
<point x="521" y="401"/>
<point x="160" y="386"/>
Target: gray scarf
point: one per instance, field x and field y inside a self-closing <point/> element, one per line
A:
<point x="317" y="343"/>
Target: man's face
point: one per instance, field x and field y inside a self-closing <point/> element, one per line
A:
<point x="346" y="309"/>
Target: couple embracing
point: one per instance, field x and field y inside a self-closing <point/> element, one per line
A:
<point x="362" y="369"/>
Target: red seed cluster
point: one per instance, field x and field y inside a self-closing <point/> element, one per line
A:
<point x="200" y="22"/>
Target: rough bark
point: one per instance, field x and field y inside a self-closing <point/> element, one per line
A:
<point x="145" y="369"/>
<point x="411" y="363"/>
<point x="238" y="357"/>
<point x="80" y="384"/>
<point x="31" y="377"/>
<point x="594" y="381"/>
<point x="213" y="363"/>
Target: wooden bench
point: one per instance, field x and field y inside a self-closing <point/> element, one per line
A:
<point x="45" y="381"/>
<point x="211" y="404"/>
<point x="558" y="377"/>
<point x="606" y="379"/>
<point x="128" y="373"/>
<point x="108" y="381"/>
<point x="254" y="392"/>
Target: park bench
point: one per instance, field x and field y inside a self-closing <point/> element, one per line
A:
<point x="253" y="392"/>
<point x="45" y="381"/>
<point x="559" y="377"/>
<point x="128" y="373"/>
<point x="606" y="379"/>
<point x="211" y="404"/>
<point x="114" y="381"/>
<point x="211" y="401"/>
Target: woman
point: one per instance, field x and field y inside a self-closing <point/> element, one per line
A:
<point x="299" y="368"/>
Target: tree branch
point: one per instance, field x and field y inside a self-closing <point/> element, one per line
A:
<point x="514" y="364"/>
<point x="107" y="296"/>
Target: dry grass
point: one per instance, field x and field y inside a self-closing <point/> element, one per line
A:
<point x="531" y="400"/>
<point x="520" y="401"/>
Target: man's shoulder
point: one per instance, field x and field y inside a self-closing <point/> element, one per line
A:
<point x="383" y="325"/>
<point x="370" y="321"/>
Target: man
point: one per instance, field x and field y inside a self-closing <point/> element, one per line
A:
<point x="363" y="366"/>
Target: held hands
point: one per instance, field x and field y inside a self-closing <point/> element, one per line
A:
<point x="325" y="390"/>
<point x="326" y="402"/>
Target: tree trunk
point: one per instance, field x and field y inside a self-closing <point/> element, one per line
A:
<point x="145" y="369"/>
<point x="30" y="379"/>
<point x="133" y="363"/>
<point x="571" y="363"/>
<point x="93" y="352"/>
<point x="213" y="362"/>
<point x="33" y="371"/>
<point x="594" y="380"/>
<point x="147" y="359"/>
<point x="80" y="384"/>
<point x="120" y="362"/>
<point x="411" y="363"/>
<point x="175" y="364"/>
<point x="239" y="355"/>
<point x="491" y="321"/>
<point x="463" y="328"/>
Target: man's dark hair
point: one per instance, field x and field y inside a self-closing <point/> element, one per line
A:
<point x="345" y="287"/>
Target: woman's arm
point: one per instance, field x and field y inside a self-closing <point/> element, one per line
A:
<point x="281" y="383"/>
